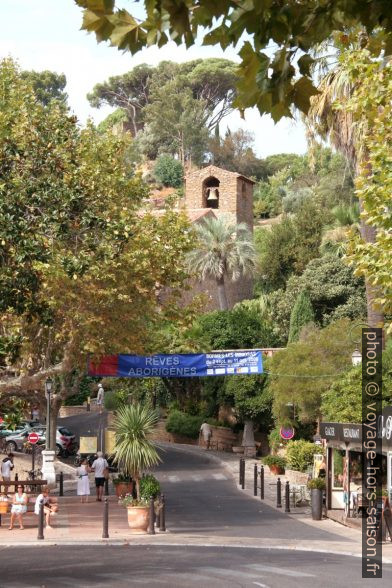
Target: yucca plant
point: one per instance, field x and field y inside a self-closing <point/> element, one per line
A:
<point x="134" y="453"/>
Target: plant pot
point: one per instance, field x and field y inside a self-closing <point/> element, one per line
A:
<point x="138" y="519"/>
<point x="317" y="504"/>
<point x="123" y="488"/>
<point x="276" y="470"/>
<point x="3" y="507"/>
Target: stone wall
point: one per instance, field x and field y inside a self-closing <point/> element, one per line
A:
<point x="67" y="411"/>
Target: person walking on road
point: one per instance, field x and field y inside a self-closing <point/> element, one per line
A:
<point x="6" y="466"/>
<point x="83" y="484"/>
<point x="206" y="431"/>
<point x="99" y="466"/>
<point x="18" y="508"/>
<point x="100" y="397"/>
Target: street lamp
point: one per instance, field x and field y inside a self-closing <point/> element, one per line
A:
<point x="48" y="390"/>
<point x="356" y="357"/>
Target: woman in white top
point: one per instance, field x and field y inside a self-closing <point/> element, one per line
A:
<point x="83" y="487"/>
<point x="19" y="507"/>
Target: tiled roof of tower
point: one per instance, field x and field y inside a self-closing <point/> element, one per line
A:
<point x="211" y="170"/>
<point x="195" y="214"/>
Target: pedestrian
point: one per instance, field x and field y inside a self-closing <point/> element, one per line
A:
<point x="35" y="414"/>
<point x="206" y="431"/>
<point x="18" y="508"/>
<point x="100" y="397"/>
<point x="322" y="469"/>
<point x="50" y="505"/>
<point x="6" y="466"/>
<point x="83" y="485"/>
<point x="99" y="466"/>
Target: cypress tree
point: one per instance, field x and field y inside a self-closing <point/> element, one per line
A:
<point x="301" y="315"/>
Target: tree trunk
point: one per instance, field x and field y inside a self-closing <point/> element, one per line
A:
<point x="248" y="436"/>
<point x="223" y="304"/>
<point x="375" y="316"/>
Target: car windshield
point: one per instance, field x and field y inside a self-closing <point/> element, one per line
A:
<point x="65" y="431"/>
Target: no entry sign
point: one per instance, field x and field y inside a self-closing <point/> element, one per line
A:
<point x="33" y="438"/>
<point x="287" y="433"/>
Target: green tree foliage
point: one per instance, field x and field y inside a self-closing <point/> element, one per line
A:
<point x="299" y="454"/>
<point x="333" y="289"/>
<point x="271" y="82"/>
<point x="224" y="251"/>
<point x="47" y="85"/>
<point x="239" y="328"/>
<point x="202" y="91"/>
<point x="250" y="398"/>
<point x="307" y="368"/>
<point x="235" y="153"/>
<point x="169" y="171"/>
<point x="75" y="256"/>
<point x="181" y="423"/>
<point x="301" y="315"/>
<point x="342" y="402"/>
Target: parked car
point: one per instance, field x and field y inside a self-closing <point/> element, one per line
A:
<point x="65" y="440"/>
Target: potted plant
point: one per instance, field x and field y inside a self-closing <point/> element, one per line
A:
<point x="123" y="485"/>
<point x="317" y="487"/>
<point x="276" y="464"/>
<point x="134" y="453"/>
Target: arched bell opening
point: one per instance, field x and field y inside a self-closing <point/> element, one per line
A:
<point x="211" y="193"/>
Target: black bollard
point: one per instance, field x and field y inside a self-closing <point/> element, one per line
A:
<point x="243" y="474"/>
<point x="107" y="487"/>
<point x="162" y="515"/>
<point x="16" y="477"/>
<point x="240" y="480"/>
<point x="262" y="483"/>
<point x="61" y="490"/>
<point x="287" y="497"/>
<point x="279" y="493"/>
<point x="105" y="530"/>
<point x="151" y="528"/>
<point x="41" y="521"/>
<point x="255" y="474"/>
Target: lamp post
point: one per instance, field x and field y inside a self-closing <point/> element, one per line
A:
<point x="48" y="390"/>
<point x="356" y="357"/>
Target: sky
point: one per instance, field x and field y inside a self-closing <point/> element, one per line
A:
<point x="45" y="34"/>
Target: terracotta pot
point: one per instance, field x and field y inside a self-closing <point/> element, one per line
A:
<point x="276" y="470"/>
<point x="123" y="488"/>
<point x="138" y="519"/>
<point x="3" y="507"/>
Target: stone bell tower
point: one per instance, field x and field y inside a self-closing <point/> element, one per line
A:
<point x="222" y="191"/>
<point x="212" y="191"/>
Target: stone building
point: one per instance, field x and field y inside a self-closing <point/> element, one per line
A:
<point x="212" y="191"/>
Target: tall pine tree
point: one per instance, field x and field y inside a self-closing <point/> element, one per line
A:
<point x="301" y="315"/>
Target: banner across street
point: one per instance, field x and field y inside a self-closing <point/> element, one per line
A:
<point x="179" y="365"/>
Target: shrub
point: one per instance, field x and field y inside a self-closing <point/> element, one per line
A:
<point x="115" y="398"/>
<point x="149" y="487"/>
<point x="275" y="440"/>
<point x="300" y="454"/>
<point x="274" y="460"/>
<point x="316" y="484"/>
<point x="169" y="171"/>
<point x="181" y="423"/>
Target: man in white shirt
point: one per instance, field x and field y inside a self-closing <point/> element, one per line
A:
<point x="50" y="505"/>
<point x="99" y="466"/>
<point x="100" y="397"/>
<point x="206" y="431"/>
<point x="6" y="466"/>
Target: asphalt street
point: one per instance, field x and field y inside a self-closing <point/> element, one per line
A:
<point x="179" y="567"/>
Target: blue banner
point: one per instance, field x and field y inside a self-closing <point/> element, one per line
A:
<point x="225" y="363"/>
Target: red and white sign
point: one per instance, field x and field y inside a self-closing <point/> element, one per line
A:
<point x="287" y="433"/>
<point x="33" y="438"/>
<point x="1" y="420"/>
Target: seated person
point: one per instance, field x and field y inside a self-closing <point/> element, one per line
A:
<point x="50" y="505"/>
<point x="19" y="507"/>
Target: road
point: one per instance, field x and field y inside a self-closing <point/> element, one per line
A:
<point x="178" y="567"/>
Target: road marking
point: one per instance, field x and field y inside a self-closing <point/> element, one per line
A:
<point x="173" y="478"/>
<point x="279" y="571"/>
<point x="197" y="478"/>
<point x="261" y="585"/>
<point x="219" y="477"/>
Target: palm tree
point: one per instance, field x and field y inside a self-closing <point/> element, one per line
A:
<point x="134" y="453"/>
<point x="225" y="250"/>
<point x="329" y="118"/>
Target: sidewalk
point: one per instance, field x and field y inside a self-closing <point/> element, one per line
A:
<point x="82" y="524"/>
